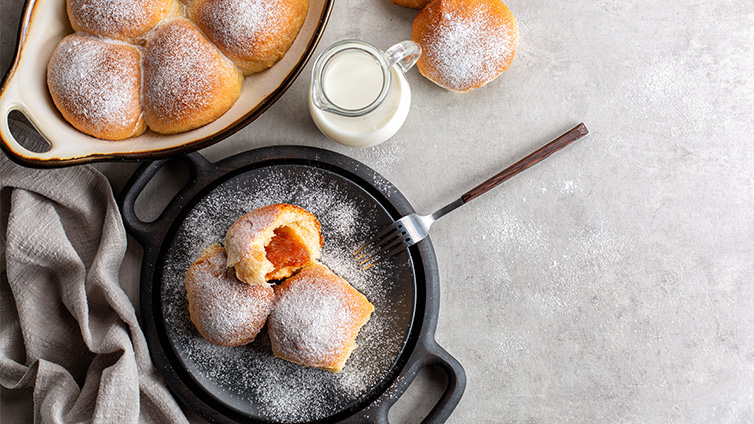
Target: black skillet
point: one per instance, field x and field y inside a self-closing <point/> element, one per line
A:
<point x="231" y="385"/>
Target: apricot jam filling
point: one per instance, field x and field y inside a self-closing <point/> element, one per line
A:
<point x="286" y="249"/>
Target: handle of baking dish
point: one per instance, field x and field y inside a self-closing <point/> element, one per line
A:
<point x="425" y="354"/>
<point x="11" y="145"/>
<point x="11" y="99"/>
<point x="147" y="233"/>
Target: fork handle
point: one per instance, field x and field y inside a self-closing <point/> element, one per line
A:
<point x="532" y="159"/>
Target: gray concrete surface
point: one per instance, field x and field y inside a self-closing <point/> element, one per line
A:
<point x="614" y="281"/>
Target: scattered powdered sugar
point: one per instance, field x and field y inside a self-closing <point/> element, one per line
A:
<point x="97" y="82"/>
<point x="577" y="254"/>
<point x="563" y="187"/>
<point x="669" y="87"/>
<point x="249" y="378"/>
<point x="385" y="158"/>
<point x="466" y="48"/>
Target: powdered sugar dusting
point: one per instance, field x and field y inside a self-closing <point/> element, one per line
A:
<point x="96" y="82"/>
<point x="183" y="73"/>
<point x="466" y="47"/>
<point x="313" y="322"/>
<point x="316" y="317"/>
<point x="237" y="24"/>
<point x="119" y="19"/>
<point x="238" y="240"/>
<point x="252" y="33"/>
<point x="250" y="378"/>
<point x="227" y="311"/>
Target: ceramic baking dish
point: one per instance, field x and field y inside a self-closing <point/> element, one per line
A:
<point x="24" y="89"/>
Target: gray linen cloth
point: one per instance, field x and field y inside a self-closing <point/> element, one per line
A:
<point x="69" y="335"/>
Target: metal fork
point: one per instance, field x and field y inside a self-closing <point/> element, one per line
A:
<point x="412" y="228"/>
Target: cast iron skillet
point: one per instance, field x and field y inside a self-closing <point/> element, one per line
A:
<point x="416" y="293"/>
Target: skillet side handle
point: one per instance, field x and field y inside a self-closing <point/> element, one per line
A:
<point x="426" y="354"/>
<point x="141" y="177"/>
<point x="147" y="233"/>
<point x="455" y="387"/>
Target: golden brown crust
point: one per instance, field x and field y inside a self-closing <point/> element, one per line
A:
<point x="124" y="20"/>
<point x="413" y="4"/>
<point x="96" y="86"/>
<point x="254" y="34"/>
<point x="248" y="238"/>
<point x="224" y="310"/>
<point x="316" y="318"/>
<point x="187" y="81"/>
<point x="247" y="36"/>
<point x="465" y="43"/>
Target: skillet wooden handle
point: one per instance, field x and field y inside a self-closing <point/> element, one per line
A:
<point x="532" y="159"/>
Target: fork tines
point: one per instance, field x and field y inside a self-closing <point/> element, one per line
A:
<point x="391" y="241"/>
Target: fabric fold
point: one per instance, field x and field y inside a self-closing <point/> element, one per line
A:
<point x="68" y="330"/>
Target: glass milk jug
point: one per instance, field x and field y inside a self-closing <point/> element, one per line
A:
<point x="359" y="95"/>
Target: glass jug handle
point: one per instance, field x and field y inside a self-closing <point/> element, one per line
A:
<point x="405" y="54"/>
